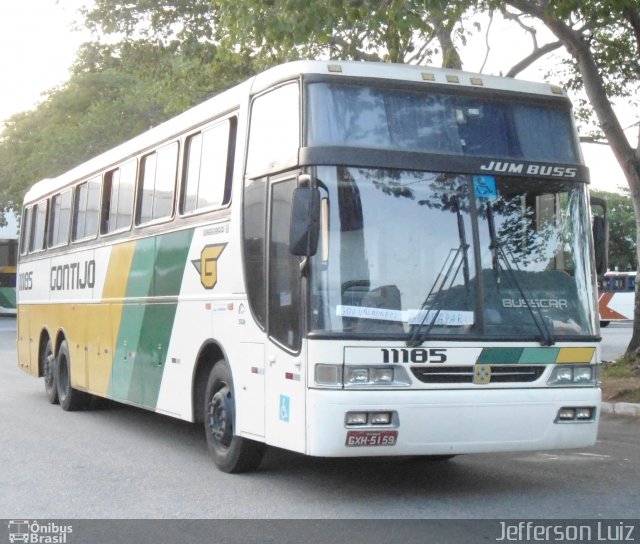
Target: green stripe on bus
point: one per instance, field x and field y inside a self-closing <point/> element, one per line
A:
<point x="145" y="327"/>
<point x="539" y="355"/>
<point x="533" y="356"/>
<point x="496" y="356"/>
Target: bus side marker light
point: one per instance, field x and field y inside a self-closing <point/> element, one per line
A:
<point x="328" y="375"/>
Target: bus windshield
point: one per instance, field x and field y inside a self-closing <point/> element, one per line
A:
<point x="431" y="122"/>
<point x="420" y="255"/>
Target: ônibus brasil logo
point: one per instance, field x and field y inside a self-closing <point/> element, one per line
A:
<point x="38" y="533"/>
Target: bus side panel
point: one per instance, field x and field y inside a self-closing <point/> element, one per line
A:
<point x="145" y="328"/>
<point x="24" y="358"/>
<point x="112" y="266"/>
<point x="139" y="288"/>
<point x="73" y="319"/>
<point x="34" y="297"/>
<point x="190" y="267"/>
<point x="99" y="348"/>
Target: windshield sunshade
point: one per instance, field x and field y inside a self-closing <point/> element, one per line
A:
<point x="429" y="122"/>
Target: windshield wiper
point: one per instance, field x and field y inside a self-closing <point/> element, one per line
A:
<point x="499" y="255"/>
<point x="460" y="259"/>
<point x="463" y="244"/>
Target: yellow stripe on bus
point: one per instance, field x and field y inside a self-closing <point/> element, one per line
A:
<point x="575" y="355"/>
<point x="102" y="329"/>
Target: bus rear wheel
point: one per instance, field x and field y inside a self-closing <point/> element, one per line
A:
<point x="48" y="365"/>
<point x="231" y="453"/>
<point x="70" y="399"/>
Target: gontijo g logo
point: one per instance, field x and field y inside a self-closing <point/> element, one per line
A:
<point x="207" y="265"/>
<point x="38" y="533"/>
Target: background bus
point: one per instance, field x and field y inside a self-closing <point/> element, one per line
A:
<point x="8" y="262"/>
<point x="335" y="258"/>
<point x="616" y="297"/>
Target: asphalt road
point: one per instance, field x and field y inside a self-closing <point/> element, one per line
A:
<point x="121" y="462"/>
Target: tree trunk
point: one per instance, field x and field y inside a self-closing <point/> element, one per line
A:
<point x="626" y="155"/>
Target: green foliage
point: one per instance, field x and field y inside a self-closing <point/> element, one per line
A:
<point x="115" y="93"/>
<point x="393" y="30"/>
<point x="611" y="30"/>
<point x="622" y="229"/>
<point x="273" y="31"/>
<point x="624" y="367"/>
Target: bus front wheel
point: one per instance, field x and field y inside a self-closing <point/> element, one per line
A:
<point x="230" y="452"/>
<point x="48" y="364"/>
<point x="70" y="399"/>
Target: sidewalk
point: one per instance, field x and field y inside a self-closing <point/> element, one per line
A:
<point x="621" y="408"/>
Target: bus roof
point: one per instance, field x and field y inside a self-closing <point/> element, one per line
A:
<point x="232" y="98"/>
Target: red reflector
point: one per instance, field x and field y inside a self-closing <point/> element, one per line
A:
<point x="288" y="375"/>
<point x="254" y="370"/>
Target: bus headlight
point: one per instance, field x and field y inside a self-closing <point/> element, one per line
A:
<point x="372" y="376"/>
<point x="357" y="376"/>
<point x="573" y="375"/>
<point x="327" y="375"/>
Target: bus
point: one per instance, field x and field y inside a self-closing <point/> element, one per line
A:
<point x="336" y="258"/>
<point x="617" y="294"/>
<point x="8" y="262"/>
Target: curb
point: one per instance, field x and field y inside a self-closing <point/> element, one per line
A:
<point x="621" y="408"/>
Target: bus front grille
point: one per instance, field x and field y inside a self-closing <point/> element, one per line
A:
<point x="465" y="374"/>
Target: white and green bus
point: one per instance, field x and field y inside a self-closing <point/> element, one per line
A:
<point x="335" y="258"/>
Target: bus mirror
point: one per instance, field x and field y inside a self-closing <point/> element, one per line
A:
<point x="305" y="221"/>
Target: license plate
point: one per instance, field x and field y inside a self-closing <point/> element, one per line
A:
<point x="371" y="438"/>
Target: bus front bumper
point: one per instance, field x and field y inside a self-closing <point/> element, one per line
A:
<point x="449" y="422"/>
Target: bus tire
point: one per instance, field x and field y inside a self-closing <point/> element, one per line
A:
<point x="70" y="399"/>
<point x="231" y="453"/>
<point x="604" y="323"/>
<point x="48" y="366"/>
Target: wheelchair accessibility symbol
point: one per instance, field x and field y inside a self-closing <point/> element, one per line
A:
<point x="485" y="187"/>
<point x="284" y="408"/>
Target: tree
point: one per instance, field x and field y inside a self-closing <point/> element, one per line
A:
<point x="115" y="93"/>
<point x="603" y="40"/>
<point x="275" y="31"/>
<point x="407" y="31"/>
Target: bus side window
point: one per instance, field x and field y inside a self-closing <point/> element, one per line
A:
<point x="157" y="181"/>
<point x="275" y="131"/>
<point x="253" y="217"/>
<point x="117" y="198"/>
<point x="38" y="227"/>
<point x="87" y="209"/>
<point x="25" y="225"/>
<point x="209" y="167"/>
<point x="60" y="219"/>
